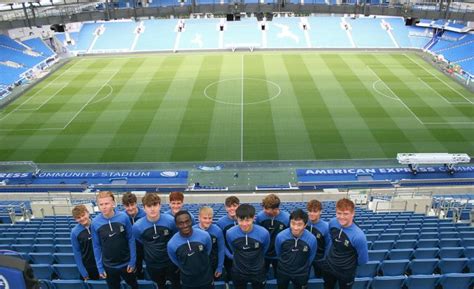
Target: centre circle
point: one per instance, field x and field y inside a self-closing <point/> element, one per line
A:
<point x="242" y="91"/>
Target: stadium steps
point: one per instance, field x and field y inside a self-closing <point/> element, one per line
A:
<point x="389" y="32"/>
<point x="96" y="36"/>
<point x="347" y="26"/>
<point x="138" y="32"/>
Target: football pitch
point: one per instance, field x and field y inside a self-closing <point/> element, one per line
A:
<point x="238" y="107"/>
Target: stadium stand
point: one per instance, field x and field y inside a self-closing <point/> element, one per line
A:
<point x="115" y="37"/>
<point x="200" y="34"/>
<point x="369" y="33"/>
<point x="158" y="35"/>
<point x="242" y="34"/>
<point x="328" y="32"/>
<point x="285" y="33"/>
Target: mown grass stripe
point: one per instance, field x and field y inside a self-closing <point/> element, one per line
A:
<point x="378" y="121"/>
<point x="326" y="140"/>
<point x="259" y="135"/>
<point x="291" y="134"/>
<point x="194" y="131"/>
<point x="444" y="135"/>
<point x="350" y="124"/>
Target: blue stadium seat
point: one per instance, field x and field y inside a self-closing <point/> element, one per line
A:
<point x="466" y="234"/>
<point x="44" y="240"/>
<point x="406" y="244"/>
<point x="44" y="248"/>
<point x="388" y="237"/>
<point x="469" y="252"/>
<point x="408" y="236"/>
<point x="468" y="242"/>
<point x="22" y="248"/>
<point x="42" y="271"/>
<point x="7" y="241"/>
<point x="26" y="241"/>
<point x="67" y="271"/>
<point x="367" y="270"/>
<point x="428" y="235"/>
<point x="146" y="284"/>
<point x="423" y="266"/>
<point x="64" y="258"/>
<point x="69" y="284"/>
<point x="382" y="245"/>
<point x="449" y="243"/>
<point x="394" y="267"/>
<point x="452" y="265"/>
<point x="470" y="265"/>
<point x="45" y="284"/>
<point x="97" y="284"/>
<point x="457" y="281"/>
<point x="451" y="252"/>
<point x="62" y="241"/>
<point x="400" y="254"/>
<point x="377" y="255"/>
<point x="23" y="256"/>
<point x="387" y="282"/>
<point x="427" y="243"/>
<point x="220" y="285"/>
<point x="63" y="248"/>
<point x="315" y="283"/>
<point x="41" y="258"/>
<point x="425" y="253"/>
<point x="422" y="281"/>
<point x="361" y="283"/>
<point x="372" y="237"/>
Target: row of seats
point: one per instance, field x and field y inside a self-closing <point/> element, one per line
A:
<point x="37" y="248"/>
<point x="445" y="281"/>
<point x="421" y="253"/>
<point x="45" y="258"/>
<point x="416" y="267"/>
<point x="90" y="284"/>
<point x="32" y="241"/>
<point x="420" y="243"/>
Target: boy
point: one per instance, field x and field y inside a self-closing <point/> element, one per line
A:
<point x="275" y="221"/>
<point x="248" y="243"/>
<point x="347" y="248"/>
<point x="320" y="230"/>
<point x="154" y="231"/>
<point x="176" y="204"/>
<point x="81" y="241"/>
<point x="217" y="239"/>
<point x="113" y="242"/>
<point x="225" y="223"/>
<point x="189" y="250"/>
<point x="295" y="248"/>
<point x="129" y="202"/>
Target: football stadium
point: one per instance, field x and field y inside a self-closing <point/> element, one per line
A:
<point x="236" y="144"/>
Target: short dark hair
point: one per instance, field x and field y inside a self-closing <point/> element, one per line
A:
<point x="299" y="214"/>
<point x="129" y="198"/>
<point x="232" y="200"/>
<point x="245" y="211"/>
<point x="182" y="212"/>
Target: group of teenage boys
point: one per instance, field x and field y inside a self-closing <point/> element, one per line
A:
<point x="242" y="244"/>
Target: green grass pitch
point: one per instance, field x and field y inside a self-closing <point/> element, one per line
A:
<point x="238" y="107"/>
